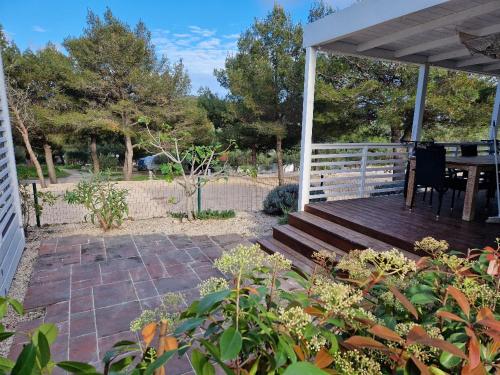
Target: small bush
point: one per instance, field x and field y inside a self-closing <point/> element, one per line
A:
<point x="108" y="161"/>
<point x="25" y="172"/>
<point x="282" y="200"/>
<point x="207" y="214"/>
<point x="103" y="200"/>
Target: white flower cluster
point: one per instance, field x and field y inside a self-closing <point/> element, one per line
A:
<point x="241" y="260"/>
<point x="432" y="246"/>
<point x="278" y="263"/>
<point x="353" y="362"/>
<point x="336" y="298"/>
<point x="212" y="285"/>
<point x="295" y="320"/>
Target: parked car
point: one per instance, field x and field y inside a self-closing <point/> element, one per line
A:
<point x="151" y="163"/>
<point x="144" y="164"/>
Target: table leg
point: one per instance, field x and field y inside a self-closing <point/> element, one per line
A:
<point x="411" y="183"/>
<point x="471" y="194"/>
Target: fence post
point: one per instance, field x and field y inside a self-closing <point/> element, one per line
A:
<point x="35" y="201"/>
<point x="364" y="157"/>
<point x="199" y="195"/>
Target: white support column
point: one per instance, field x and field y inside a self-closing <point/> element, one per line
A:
<point x="307" y="124"/>
<point x="495" y="116"/>
<point x="418" y="115"/>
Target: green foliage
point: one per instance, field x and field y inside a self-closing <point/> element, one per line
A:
<point x="106" y="204"/>
<point x="28" y="202"/>
<point x="207" y="214"/>
<point x="25" y="172"/>
<point x="282" y="200"/>
<point x="108" y="161"/>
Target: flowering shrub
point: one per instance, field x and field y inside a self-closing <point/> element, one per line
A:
<point x="372" y="313"/>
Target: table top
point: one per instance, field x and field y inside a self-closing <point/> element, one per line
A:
<point x="482" y="160"/>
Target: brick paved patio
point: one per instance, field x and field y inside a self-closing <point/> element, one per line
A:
<point x="92" y="287"/>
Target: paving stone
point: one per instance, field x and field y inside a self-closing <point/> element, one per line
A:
<point x="139" y="274"/>
<point x="198" y="255"/>
<point x="145" y="289"/>
<point x="175" y="284"/>
<point x="84" y="284"/>
<point x="73" y="240"/>
<point x="83" y="348"/>
<point x="179" y="269"/>
<point x="191" y="295"/>
<point x="121" y="264"/>
<point x="121" y="252"/>
<point x="204" y="271"/>
<point x="175" y="257"/>
<point x="81" y="324"/>
<point x="151" y="303"/>
<point x="178" y="365"/>
<point x="63" y="327"/>
<point x="59" y="349"/>
<point x="82" y="272"/>
<point x="181" y="241"/>
<point x="58" y="312"/>
<point x="93" y="253"/>
<point x="117" y="318"/>
<point x="81" y="304"/>
<point x="77" y="293"/>
<point x="115" y="276"/>
<point x="112" y="294"/>
<point x="41" y="295"/>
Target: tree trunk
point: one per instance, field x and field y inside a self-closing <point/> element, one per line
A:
<point x="50" y="163"/>
<point x="34" y="159"/>
<point x="189" y="207"/>
<point x="129" y="155"/>
<point x="254" y="155"/>
<point x="279" y="159"/>
<point x="93" y="153"/>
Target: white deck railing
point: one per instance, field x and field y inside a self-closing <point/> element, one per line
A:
<point x="359" y="170"/>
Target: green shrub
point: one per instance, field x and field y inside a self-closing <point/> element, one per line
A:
<point x="108" y="161"/>
<point x="104" y="202"/>
<point x="25" y="172"/>
<point x="207" y="214"/>
<point x="282" y="200"/>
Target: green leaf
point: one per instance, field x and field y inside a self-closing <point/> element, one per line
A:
<point x="26" y="361"/>
<point x="160" y="361"/>
<point x="5" y="335"/>
<point x="49" y="330"/>
<point x="6" y="364"/>
<point x="448" y="360"/>
<point x="189" y="325"/>
<point x="43" y="350"/>
<point x="198" y="360"/>
<point x="16" y="305"/>
<point x="303" y="368"/>
<point x="287" y="346"/>
<point x="122" y="363"/>
<point x="208" y="369"/>
<point x="3" y="308"/>
<point x="208" y="301"/>
<point x="298" y="278"/>
<point x="230" y="344"/>
<point x="423" y="299"/>
<point x="77" y="367"/>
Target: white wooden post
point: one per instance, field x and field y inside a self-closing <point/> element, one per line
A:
<point x="364" y="159"/>
<point x="307" y="124"/>
<point x="418" y="115"/>
<point x="495" y="116"/>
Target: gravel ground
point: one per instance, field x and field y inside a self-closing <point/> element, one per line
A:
<point x="248" y="224"/>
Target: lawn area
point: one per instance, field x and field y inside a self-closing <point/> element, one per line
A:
<point x="25" y="172"/>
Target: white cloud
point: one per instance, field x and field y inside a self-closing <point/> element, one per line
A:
<point x="231" y="36"/>
<point x="38" y="29"/>
<point x="201" y="50"/>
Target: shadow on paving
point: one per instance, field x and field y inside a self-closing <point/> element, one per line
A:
<point x="93" y="287"/>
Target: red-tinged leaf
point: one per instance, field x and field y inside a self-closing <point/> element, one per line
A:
<point x="485" y="313"/>
<point x="490" y="323"/>
<point x="148" y="332"/>
<point x="494" y="335"/>
<point x="365" y="342"/>
<point x="311" y="310"/>
<point x="323" y="359"/>
<point x="479" y="370"/>
<point x="418" y="335"/>
<point x="252" y="290"/>
<point x="404" y="301"/>
<point x="385" y="333"/>
<point x="300" y="353"/>
<point x="461" y="299"/>
<point x="422" y="262"/>
<point x="474" y="349"/>
<point x="450" y="316"/>
<point x="170" y="343"/>
<point x="493" y="268"/>
<point x="489" y="249"/>
<point x="424" y="370"/>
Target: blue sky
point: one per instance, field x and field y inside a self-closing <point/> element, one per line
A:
<point x="201" y="32"/>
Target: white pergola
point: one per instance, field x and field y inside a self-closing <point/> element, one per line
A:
<point x="423" y="32"/>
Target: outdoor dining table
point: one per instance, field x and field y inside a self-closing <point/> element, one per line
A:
<point x="473" y="165"/>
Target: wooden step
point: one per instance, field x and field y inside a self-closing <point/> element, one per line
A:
<point x="337" y="235"/>
<point x="324" y="212"/>
<point x="301" y="263"/>
<point x="303" y="242"/>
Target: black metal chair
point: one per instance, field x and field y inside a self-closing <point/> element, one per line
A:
<point x="430" y="172"/>
<point x="468" y="150"/>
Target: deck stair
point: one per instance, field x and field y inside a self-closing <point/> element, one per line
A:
<point x="319" y="229"/>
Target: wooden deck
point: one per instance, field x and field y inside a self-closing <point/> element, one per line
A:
<point x="380" y="223"/>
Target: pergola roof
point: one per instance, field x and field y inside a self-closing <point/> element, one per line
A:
<point x="411" y="31"/>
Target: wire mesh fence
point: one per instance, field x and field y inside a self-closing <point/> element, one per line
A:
<point x="158" y="198"/>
